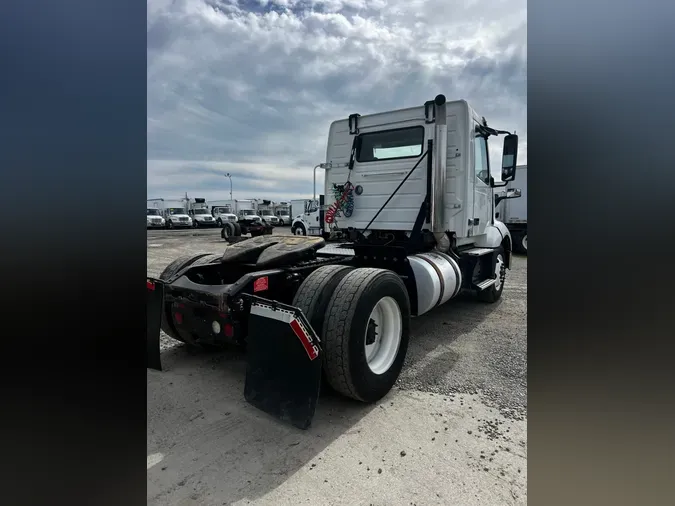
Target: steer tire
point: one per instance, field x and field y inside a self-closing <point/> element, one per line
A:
<point x="168" y="272"/>
<point x="494" y="292"/>
<point x="344" y="333"/>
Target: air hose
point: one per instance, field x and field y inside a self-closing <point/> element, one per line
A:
<point x="345" y="202"/>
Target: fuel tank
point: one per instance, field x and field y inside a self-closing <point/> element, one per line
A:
<point x="438" y="278"/>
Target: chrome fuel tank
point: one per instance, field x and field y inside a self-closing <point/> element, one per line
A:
<point x="438" y="278"/>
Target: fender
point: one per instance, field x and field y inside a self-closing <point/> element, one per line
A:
<point x="496" y="235"/>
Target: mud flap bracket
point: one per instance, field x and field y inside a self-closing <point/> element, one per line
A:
<point x="283" y="374"/>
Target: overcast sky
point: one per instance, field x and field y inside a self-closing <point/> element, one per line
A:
<point x="251" y="87"/>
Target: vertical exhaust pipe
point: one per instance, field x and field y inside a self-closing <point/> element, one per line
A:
<point x="438" y="178"/>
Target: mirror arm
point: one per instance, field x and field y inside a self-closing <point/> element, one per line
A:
<point x="495" y="185"/>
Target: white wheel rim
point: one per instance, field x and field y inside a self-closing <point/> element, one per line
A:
<point x="298" y="231"/>
<point x="498" y="271"/>
<point x="525" y="242"/>
<point x="380" y="355"/>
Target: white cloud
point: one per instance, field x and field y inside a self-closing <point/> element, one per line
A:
<point x="251" y="87"/>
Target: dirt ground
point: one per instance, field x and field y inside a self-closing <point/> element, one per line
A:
<point x="452" y="432"/>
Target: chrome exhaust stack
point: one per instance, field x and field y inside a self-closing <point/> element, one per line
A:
<point x="438" y="178"/>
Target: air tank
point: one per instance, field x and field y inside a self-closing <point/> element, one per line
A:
<point x="438" y="278"/>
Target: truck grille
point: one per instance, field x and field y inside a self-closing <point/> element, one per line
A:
<point x="182" y="219"/>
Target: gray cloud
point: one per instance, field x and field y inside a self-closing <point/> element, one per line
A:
<point x="252" y="87"/>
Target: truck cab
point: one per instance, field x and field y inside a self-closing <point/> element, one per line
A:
<point x="248" y="215"/>
<point x="154" y="218"/>
<point x="268" y="216"/>
<point x="308" y="218"/>
<point x="283" y="213"/>
<point x="177" y="217"/>
<point x="412" y="175"/>
<point x="223" y="214"/>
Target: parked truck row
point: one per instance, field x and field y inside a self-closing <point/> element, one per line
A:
<point x="198" y="212"/>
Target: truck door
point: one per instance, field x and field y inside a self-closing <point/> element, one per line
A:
<point x="481" y="183"/>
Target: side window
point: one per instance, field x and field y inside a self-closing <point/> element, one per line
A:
<point x="482" y="169"/>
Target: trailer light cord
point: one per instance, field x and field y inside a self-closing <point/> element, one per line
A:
<point x="346" y="200"/>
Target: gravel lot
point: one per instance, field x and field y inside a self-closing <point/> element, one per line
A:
<point x="453" y="431"/>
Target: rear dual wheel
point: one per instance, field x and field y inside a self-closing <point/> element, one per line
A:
<point x="230" y="230"/>
<point x="362" y="317"/>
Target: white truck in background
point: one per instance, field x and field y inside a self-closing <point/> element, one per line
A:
<point x="154" y="218"/>
<point x="176" y="214"/>
<point x="245" y="210"/>
<point x="198" y="209"/>
<point x="266" y="211"/>
<point x="223" y="212"/>
<point x="513" y="212"/>
<point x="308" y="216"/>
<point x="282" y="211"/>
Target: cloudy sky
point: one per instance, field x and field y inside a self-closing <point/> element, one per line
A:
<point x="250" y="87"/>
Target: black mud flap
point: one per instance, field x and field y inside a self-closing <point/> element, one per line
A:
<point x="283" y="375"/>
<point x="154" y="308"/>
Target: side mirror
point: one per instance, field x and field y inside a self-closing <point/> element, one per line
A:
<point x="509" y="158"/>
<point x="511" y="193"/>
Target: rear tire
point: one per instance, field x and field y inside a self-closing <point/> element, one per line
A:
<point x="363" y="297"/>
<point x="228" y="230"/>
<point x="237" y="230"/>
<point x="315" y="292"/>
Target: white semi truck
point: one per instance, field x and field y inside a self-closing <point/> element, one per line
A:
<point x="282" y="211"/>
<point x="154" y="218"/>
<point x="308" y="216"/>
<point x="266" y="211"/>
<point x="176" y="214"/>
<point x="200" y="213"/>
<point x="222" y="211"/>
<point x="245" y="209"/>
<point x="513" y="212"/>
<point x="412" y="192"/>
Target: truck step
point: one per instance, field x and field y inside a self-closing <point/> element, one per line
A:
<point x="477" y="252"/>
<point x="485" y="284"/>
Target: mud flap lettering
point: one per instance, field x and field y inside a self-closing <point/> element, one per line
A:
<point x="283" y="374"/>
<point x="155" y="304"/>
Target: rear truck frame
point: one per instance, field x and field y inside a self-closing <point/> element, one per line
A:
<point x="312" y="313"/>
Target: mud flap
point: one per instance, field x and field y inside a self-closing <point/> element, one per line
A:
<point x="155" y="304"/>
<point x="283" y="374"/>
